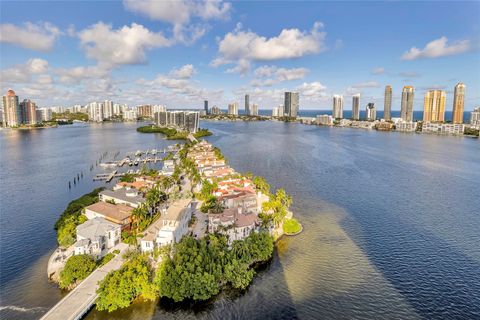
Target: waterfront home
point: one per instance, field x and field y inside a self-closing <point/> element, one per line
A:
<point x="170" y="228"/>
<point x="233" y="223"/>
<point x="96" y="236"/>
<point x="234" y="186"/>
<point x="443" y="128"/>
<point x="117" y="213"/>
<point x="211" y="172"/>
<point x="129" y="197"/>
<point x="246" y="200"/>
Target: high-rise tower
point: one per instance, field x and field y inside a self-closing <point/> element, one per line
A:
<point x="338" y="107"/>
<point x="458" y="103"/>
<point x="356" y="106"/>
<point x="247" y="104"/>
<point x="406" y="112"/>
<point x="434" y="106"/>
<point x="291" y="104"/>
<point x="387" y="107"/>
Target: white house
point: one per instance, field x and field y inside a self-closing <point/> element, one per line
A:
<point x="96" y="236"/>
<point x="170" y="228"/>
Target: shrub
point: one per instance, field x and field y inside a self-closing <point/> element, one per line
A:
<point x="76" y="269"/>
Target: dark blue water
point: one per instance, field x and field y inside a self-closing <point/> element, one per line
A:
<point x="391" y="220"/>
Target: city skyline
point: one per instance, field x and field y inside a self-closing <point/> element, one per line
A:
<point x="182" y="60"/>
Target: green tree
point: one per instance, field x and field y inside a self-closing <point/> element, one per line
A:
<point x="261" y="185"/>
<point x="212" y="205"/>
<point x="76" y="269"/>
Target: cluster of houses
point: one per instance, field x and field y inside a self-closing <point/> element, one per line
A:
<point x="113" y="213"/>
<point x="242" y="202"/>
<point x="110" y="216"/>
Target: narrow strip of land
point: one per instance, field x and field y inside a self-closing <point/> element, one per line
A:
<point x="81" y="299"/>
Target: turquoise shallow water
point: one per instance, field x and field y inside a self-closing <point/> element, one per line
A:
<point x="391" y="220"/>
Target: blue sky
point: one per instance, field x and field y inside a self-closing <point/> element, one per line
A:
<point x="180" y="53"/>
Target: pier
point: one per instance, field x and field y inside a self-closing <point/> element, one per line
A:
<point x="77" y="303"/>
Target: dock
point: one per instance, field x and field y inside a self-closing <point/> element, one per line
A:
<point x="81" y="299"/>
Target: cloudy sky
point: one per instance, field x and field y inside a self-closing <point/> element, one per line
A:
<point x="179" y="53"/>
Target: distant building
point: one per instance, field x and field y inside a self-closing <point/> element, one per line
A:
<point x="406" y="111"/>
<point x="458" y="103"/>
<point x="277" y="111"/>
<point x="215" y="110"/>
<point x="95" y="111"/>
<point x="12" y="116"/>
<point x="182" y="120"/>
<point x="254" y="110"/>
<point x="475" y="117"/>
<point x="370" y="112"/>
<point x="338" y="106"/>
<point x="28" y="111"/>
<point x="356" y="107"/>
<point x="129" y="197"/>
<point x="233" y="223"/>
<point x="387" y="107"/>
<point x="291" y="104"/>
<point x="247" y="104"/>
<point x="443" y="128"/>
<point x="130" y="115"/>
<point x="108" y="109"/>
<point x="434" y="106"/>
<point x="205" y="106"/>
<point x="233" y="108"/>
<point x="145" y="111"/>
<point x="45" y="114"/>
<point x="117" y="213"/>
<point x="405" y="126"/>
<point x="325" y="120"/>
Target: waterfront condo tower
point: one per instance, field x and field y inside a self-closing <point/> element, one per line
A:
<point x="387" y="107"/>
<point x="371" y="112"/>
<point x="291" y="104"/>
<point x="28" y="110"/>
<point x="338" y="106"/>
<point x="233" y="108"/>
<point x="356" y="106"/>
<point x="434" y="106"/>
<point x="406" y="111"/>
<point x="205" y="106"/>
<point x="247" y="104"/>
<point x="458" y="103"/>
<point x="11" y="110"/>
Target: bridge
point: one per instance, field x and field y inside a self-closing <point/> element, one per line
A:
<point x="77" y="303"/>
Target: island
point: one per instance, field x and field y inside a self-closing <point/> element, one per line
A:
<point x="172" y="133"/>
<point x="233" y="117"/>
<point x="182" y="233"/>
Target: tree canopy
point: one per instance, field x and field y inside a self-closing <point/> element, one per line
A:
<point x="77" y="268"/>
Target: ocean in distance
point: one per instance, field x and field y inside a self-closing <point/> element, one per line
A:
<point x="391" y="220"/>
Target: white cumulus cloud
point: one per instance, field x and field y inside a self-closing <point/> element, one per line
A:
<point x="241" y="47"/>
<point x="437" y="48"/>
<point x="126" y="45"/>
<point x="185" y="72"/>
<point x="276" y="75"/>
<point x="38" y="37"/>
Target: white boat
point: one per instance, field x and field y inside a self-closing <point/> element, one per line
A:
<point x="108" y="164"/>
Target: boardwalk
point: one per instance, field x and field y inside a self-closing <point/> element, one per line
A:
<point x="81" y="299"/>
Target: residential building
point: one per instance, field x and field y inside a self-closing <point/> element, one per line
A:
<point x="215" y="110"/>
<point x="387" y="106"/>
<point x="370" y="112"/>
<point x="45" y="114"/>
<point x="475" y="117"/>
<point x="12" y="116"/>
<point x="129" y="197"/>
<point x="117" y="213"/>
<point x="254" y="110"/>
<point x="405" y="126"/>
<point x="277" y="111"/>
<point x="356" y="106"/>
<point x="247" y="201"/>
<point x="130" y="115"/>
<point x="182" y="120"/>
<point x="443" y="128"/>
<point x="406" y="111"/>
<point x="338" y="106"/>
<point x="108" y="109"/>
<point x="233" y="108"/>
<point x="247" y="104"/>
<point x="458" y="103"/>
<point x="158" y="108"/>
<point x="291" y="104"/>
<point x="145" y="111"/>
<point x="28" y="111"/>
<point x="96" y="236"/>
<point x="434" y="106"/>
<point x="170" y="228"/>
<point x="95" y="111"/>
<point x="233" y="223"/>
<point x="205" y="106"/>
